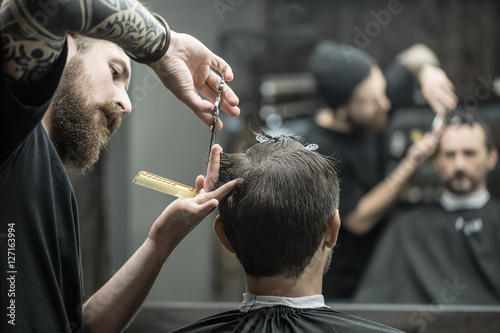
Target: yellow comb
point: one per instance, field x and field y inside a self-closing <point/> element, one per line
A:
<point x="164" y="185"/>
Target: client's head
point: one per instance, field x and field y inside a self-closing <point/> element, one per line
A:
<point x="465" y="155"/>
<point x="276" y="220"/>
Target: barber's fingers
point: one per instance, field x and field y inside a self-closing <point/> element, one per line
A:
<point x="438" y="89"/>
<point x="208" y="183"/>
<point x="213" y="168"/>
<point x="229" y="99"/>
<point x="440" y="98"/>
<point x="429" y="142"/>
<point x="221" y="192"/>
<point x="450" y="99"/>
<point x="207" y="114"/>
<point x="423" y="149"/>
<point x="220" y="64"/>
<point x="197" y="208"/>
<point x="203" y="109"/>
<point x="200" y="182"/>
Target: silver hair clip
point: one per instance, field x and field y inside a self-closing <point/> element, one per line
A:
<point x="261" y="138"/>
<point x="312" y="147"/>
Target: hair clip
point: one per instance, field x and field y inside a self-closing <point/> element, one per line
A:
<point x="312" y="147"/>
<point x="261" y="138"/>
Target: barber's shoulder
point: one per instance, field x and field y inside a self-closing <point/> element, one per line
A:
<point x="29" y="50"/>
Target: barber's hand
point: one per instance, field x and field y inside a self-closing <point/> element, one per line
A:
<point x="185" y="71"/>
<point x="183" y="215"/>
<point x="422" y="150"/>
<point x="437" y="89"/>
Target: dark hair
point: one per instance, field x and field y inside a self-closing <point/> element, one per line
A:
<point x="488" y="135"/>
<point x="339" y="69"/>
<point x="467" y="118"/>
<point x="276" y="218"/>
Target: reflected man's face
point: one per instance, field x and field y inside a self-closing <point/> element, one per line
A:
<point x="463" y="160"/>
<point x="369" y="104"/>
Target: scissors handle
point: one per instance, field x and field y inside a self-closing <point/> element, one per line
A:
<point x="216" y="109"/>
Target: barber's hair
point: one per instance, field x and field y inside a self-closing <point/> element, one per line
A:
<point x="466" y="118"/>
<point x="339" y="69"/>
<point x="277" y="217"/>
<point x="83" y="43"/>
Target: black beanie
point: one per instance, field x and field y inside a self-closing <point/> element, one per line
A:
<point x="338" y="69"/>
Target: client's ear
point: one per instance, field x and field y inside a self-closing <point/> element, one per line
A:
<point x="219" y="230"/>
<point x="492" y="159"/>
<point x="332" y="230"/>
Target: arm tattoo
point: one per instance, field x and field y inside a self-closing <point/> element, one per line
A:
<point x="33" y="32"/>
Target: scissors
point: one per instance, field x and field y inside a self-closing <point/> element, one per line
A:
<point x="171" y="187"/>
<point x="216" y="110"/>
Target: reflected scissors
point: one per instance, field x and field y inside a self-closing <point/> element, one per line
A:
<point x="216" y="110"/>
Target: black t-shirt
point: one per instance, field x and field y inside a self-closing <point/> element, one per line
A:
<point x="430" y="255"/>
<point x="41" y="286"/>
<point x="284" y="319"/>
<point x="360" y="167"/>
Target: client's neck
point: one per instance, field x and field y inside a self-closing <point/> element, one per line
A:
<point x="308" y="284"/>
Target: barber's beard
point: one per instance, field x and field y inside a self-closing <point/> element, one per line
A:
<point x="77" y="135"/>
<point x="374" y="125"/>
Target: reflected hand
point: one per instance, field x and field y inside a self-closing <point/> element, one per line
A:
<point x="437" y="89"/>
<point x="185" y="71"/>
<point x="423" y="149"/>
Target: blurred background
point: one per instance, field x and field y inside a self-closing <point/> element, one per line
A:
<point x="267" y="43"/>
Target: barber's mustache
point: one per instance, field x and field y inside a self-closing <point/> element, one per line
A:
<point x="113" y="113"/>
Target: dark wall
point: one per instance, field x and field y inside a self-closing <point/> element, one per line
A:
<point x="464" y="35"/>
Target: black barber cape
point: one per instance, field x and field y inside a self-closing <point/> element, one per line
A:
<point x="40" y="270"/>
<point x="283" y="319"/>
<point x="433" y="255"/>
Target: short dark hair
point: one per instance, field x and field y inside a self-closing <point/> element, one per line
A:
<point x="488" y="134"/>
<point x="466" y="118"/>
<point x="276" y="218"/>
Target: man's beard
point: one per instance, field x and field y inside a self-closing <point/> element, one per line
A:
<point x="76" y="134"/>
<point x="454" y="185"/>
<point x="328" y="262"/>
<point x="373" y="126"/>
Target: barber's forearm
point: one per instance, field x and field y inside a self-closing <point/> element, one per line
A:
<point x="32" y="28"/>
<point x="113" y="307"/>
<point x="416" y="57"/>
<point x="129" y="25"/>
<point x="372" y="207"/>
<point x="125" y="22"/>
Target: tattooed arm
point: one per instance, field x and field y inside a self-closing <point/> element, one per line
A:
<point x="34" y="32"/>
